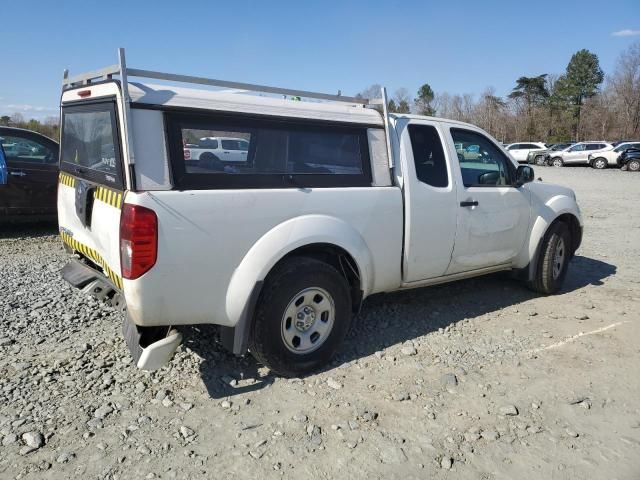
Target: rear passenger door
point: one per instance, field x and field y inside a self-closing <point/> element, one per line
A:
<point x="430" y="201"/>
<point x="493" y="215"/>
<point x="234" y="150"/>
<point x="519" y="152"/>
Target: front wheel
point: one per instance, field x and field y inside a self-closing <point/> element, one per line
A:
<point x="599" y="163"/>
<point x="540" y="161"/>
<point x="302" y="316"/>
<point x="633" y="166"/>
<point x="555" y="253"/>
<point x="557" y="162"/>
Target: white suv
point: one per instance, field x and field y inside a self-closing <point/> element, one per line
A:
<point x="579" y="153"/>
<point x="604" y="158"/>
<point x="335" y="202"/>
<point x="520" y="151"/>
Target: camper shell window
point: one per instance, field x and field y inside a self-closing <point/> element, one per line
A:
<point x="90" y="146"/>
<point x="267" y="152"/>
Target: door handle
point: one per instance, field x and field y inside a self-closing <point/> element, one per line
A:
<point x="19" y="173"/>
<point x="469" y="203"/>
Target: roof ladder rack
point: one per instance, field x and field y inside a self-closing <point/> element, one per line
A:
<point x="107" y="73"/>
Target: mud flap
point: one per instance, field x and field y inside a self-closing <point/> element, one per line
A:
<point x="152" y="347"/>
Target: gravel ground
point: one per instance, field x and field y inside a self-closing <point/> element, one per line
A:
<point x="479" y="379"/>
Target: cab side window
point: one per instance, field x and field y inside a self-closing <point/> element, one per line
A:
<point x="428" y="155"/>
<point x="481" y="161"/>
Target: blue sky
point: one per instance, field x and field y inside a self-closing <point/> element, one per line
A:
<point x="459" y="47"/>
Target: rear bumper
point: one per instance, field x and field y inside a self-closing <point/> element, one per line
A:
<point x="150" y="347"/>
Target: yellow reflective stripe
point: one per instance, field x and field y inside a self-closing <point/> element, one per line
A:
<point x="94" y="256"/>
<point x="67" y="180"/>
<point x="108" y="196"/>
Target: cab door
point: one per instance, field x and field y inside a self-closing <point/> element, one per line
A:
<point x="430" y="199"/>
<point x="493" y="215"/>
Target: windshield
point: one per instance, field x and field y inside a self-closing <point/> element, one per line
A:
<point x="89" y="143"/>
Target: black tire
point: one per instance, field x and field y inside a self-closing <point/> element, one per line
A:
<point x="556" y="162"/>
<point x="282" y="290"/>
<point x="209" y="161"/>
<point x="599" y="163"/>
<point x="550" y="270"/>
<point x="633" y="166"/>
<point x="540" y="161"/>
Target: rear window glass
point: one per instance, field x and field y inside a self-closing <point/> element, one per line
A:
<point x="90" y="147"/>
<point x="266" y="153"/>
<point x="428" y="155"/>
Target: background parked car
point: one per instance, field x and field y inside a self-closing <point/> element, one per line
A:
<point x="630" y="160"/>
<point x="610" y="157"/>
<point x="520" y="151"/>
<point x="29" y="183"/>
<point x="542" y="157"/>
<point x="579" y="153"/>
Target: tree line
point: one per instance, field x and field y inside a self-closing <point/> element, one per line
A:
<point x="579" y="104"/>
<point x="49" y="127"/>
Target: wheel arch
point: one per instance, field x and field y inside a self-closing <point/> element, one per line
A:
<point x="326" y="238"/>
<point x="538" y="232"/>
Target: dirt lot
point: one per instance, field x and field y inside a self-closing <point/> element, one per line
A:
<point x="480" y="379"/>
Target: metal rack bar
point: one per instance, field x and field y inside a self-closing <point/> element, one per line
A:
<point x="104" y="73"/>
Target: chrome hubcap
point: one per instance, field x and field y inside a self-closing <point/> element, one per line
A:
<point x="558" y="259"/>
<point x="634" y="166"/>
<point x="600" y="164"/>
<point x="557" y="163"/>
<point x="308" y="320"/>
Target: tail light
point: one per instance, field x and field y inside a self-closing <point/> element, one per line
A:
<point x="138" y="240"/>
<point x="187" y="153"/>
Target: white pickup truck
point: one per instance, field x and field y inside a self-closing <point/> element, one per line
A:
<point x="216" y="152"/>
<point x="334" y="202"/>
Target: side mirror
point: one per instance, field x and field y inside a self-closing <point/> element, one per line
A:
<point x="524" y="174"/>
<point x="4" y="175"/>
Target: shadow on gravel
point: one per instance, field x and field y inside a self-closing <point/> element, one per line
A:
<point x="390" y="319"/>
<point x="31" y="230"/>
<point x="586" y="271"/>
<point x="219" y="368"/>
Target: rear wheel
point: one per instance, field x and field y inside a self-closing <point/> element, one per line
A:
<point x="555" y="253"/>
<point x="633" y="166"/>
<point x="540" y="161"/>
<point x="209" y="161"/>
<point x="557" y="162"/>
<point x="599" y="163"/>
<point x="302" y="316"/>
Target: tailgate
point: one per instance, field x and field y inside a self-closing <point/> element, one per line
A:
<point x="91" y="184"/>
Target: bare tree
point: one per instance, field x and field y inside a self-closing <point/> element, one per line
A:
<point x="626" y="85"/>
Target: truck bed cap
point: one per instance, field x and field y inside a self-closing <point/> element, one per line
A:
<point x="166" y="95"/>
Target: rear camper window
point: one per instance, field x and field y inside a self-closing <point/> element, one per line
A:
<point x="90" y="146"/>
<point x="265" y="153"/>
